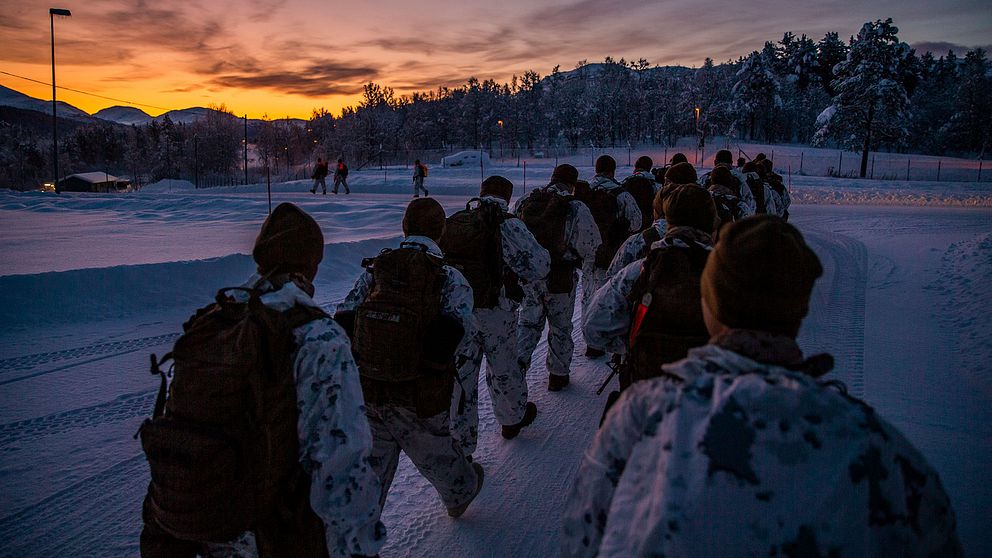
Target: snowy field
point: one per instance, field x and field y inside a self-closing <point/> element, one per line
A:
<point x="91" y="284"/>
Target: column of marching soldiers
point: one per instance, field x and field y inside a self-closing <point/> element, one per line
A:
<point x="278" y="429"/>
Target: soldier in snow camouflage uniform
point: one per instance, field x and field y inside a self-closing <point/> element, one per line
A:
<point x="334" y="438"/>
<point x="741" y="450"/>
<point x="594" y="276"/>
<point x="496" y="337"/>
<point x="539" y="305"/>
<point x="745" y="205"/>
<point x="636" y="246"/>
<point x="427" y="441"/>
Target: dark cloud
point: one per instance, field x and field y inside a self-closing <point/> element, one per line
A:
<point x="315" y="80"/>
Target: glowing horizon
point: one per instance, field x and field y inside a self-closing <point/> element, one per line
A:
<point x="287" y="57"/>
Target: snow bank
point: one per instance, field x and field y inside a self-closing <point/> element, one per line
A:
<point x="168" y="185"/>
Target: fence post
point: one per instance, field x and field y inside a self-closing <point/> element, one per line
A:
<point x="268" y="188"/>
<point x="979" y="171"/>
<point x="872" y="175"/>
<point x="268" y="183"/>
<point x="908" y="161"/>
<point x="665" y="162"/>
<point x="773" y="154"/>
<point x="802" y="154"/>
<point x="938" y="170"/>
<point x="840" y="162"/>
<point x="525" y="176"/>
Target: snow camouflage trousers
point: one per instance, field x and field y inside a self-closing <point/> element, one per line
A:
<point x="557" y="309"/>
<point x="591" y="282"/>
<point x="418" y="186"/>
<point x="428" y="444"/>
<point x="496" y="339"/>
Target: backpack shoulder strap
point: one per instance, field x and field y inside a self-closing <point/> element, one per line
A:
<point x="650" y="235"/>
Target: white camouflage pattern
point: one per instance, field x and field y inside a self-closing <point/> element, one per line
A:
<point x="632" y="249"/>
<point x="743" y="458"/>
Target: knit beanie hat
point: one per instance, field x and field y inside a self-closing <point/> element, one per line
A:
<point x="424" y="217"/>
<point x="497" y="186"/>
<point x="723" y="157"/>
<point x="565" y="173"/>
<point x="760" y="276"/>
<point x="605" y="164"/>
<point x="290" y="240"/>
<point x="681" y="173"/>
<point x="689" y="205"/>
<point x="643" y="163"/>
<point x="723" y="177"/>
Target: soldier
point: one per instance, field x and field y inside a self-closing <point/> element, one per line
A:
<point x="764" y="197"/>
<point x="309" y="441"/>
<point x="774" y="181"/>
<point x="643" y="186"/>
<point x="617" y="215"/>
<point x="495" y="251"/>
<point x="745" y="200"/>
<point x="565" y="228"/>
<point x="650" y="311"/>
<point x="341" y="177"/>
<point x="319" y="176"/>
<point x="419" y="175"/>
<point x="742" y="450"/>
<point x="409" y="313"/>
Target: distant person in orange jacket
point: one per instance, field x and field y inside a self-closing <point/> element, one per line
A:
<point x="341" y="177"/>
<point x="419" y="174"/>
<point x="319" y="175"/>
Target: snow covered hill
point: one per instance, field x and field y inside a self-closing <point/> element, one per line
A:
<point x="16" y="99"/>
<point x="93" y="283"/>
<point x="123" y="115"/>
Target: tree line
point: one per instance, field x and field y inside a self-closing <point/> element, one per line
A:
<point x="871" y="92"/>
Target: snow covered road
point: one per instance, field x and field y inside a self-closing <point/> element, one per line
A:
<point x="904" y="306"/>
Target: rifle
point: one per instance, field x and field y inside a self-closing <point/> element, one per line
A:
<point x="615" y="365"/>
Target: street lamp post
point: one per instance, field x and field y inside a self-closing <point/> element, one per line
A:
<point x="52" y="12"/>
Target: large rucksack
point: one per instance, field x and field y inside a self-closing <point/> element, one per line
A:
<point x="613" y="228"/>
<point x="223" y="448"/>
<point x="544" y="212"/>
<point x="402" y="343"/>
<point x="757" y="187"/>
<point x="642" y="189"/>
<point x="473" y="245"/>
<point x="668" y="289"/>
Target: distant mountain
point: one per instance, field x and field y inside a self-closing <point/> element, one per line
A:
<point x="124" y="115"/>
<point x="16" y="99"/>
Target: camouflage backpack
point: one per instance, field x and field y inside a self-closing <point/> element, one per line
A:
<point x="757" y="187"/>
<point x="667" y="313"/>
<point x="472" y="244"/>
<point x="223" y="448"/>
<point x="544" y="212"/>
<point x="642" y="190"/>
<point x="605" y="207"/>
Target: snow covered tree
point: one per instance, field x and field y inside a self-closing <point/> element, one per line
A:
<point x="871" y="98"/>
<point x="756" y="92"/>
<point x="830" y="52"/>
<point x="971" y="124"/>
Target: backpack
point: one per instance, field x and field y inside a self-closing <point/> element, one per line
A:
<point x="727" y="205"/>
<point x="604" y="206"/>
<point x="650" y="236"/>
<point x="424" y="171"/>
<point x="402" y="343"/>
<point x="757" y="187"/>
<point x="642" y="190"/>
<point x="223" y="449"/>
<point x="343" y="170"/>
<point x="544" y="212"/>
<point x="667" y="313"/>
<point x="472" y="244"/>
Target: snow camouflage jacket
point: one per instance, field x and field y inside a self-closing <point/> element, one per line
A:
<point x="335" y="440"/>
<point x="581" y="233"/>
<point x="745" y="457"/>
<point x="628" y="208"/>
<point x="456" y="295"/>
<point x="632" y="248"/>
<point x="606" y="324"/>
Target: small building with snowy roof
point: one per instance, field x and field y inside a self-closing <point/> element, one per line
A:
<point x="93" y="182"/>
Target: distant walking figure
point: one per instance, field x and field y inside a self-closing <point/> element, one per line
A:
<point x="319" y="176"/>
<point x="419" y="174"/>
<point x="340" y="176"/>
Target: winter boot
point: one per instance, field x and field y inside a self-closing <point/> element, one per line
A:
<point x="510" y="431"/>
<point x="594" y="353"/>
<point x="556" y="382"/>
<point x="426" y="193"/>
<point x="479" y="475"/>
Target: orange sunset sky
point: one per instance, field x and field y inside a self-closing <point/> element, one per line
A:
<point x="287" y="57"/>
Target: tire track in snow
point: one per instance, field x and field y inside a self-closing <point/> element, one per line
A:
<point x="125" y="407"/>
<point x="97" y="516"/>
<point x="116" y="348"/>
<point x="836" y="323"/>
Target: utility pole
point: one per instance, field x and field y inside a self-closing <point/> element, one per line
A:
<point x="52" y="12"/>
